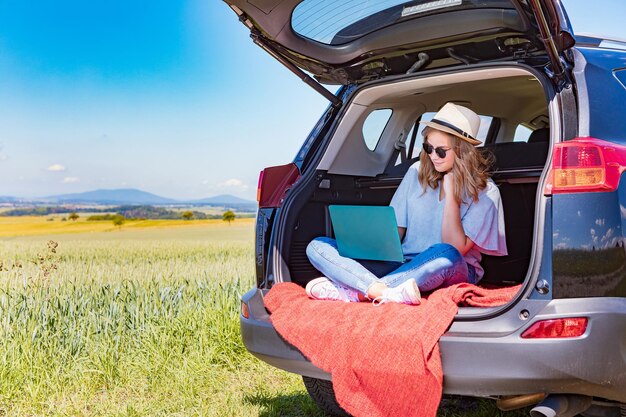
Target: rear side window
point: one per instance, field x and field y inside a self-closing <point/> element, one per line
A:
<point x="374" y="126"/>
<point x="522" y="133"/>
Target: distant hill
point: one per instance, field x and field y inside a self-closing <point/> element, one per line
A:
<point x="132" y="196"/>
<point x="119" y="196"/>
<point x="224" y="199"/>
<point x="227" y="200"/>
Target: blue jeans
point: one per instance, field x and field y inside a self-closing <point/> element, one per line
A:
<point x="440" y="265"/>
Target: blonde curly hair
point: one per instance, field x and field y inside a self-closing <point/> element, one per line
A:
<point x="471" y="169"/>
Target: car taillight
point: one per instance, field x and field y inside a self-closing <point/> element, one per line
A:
<point x="245" y="312"/>
<point x="258" y="187"/>
<point x="274" y="183"/>
<point x="557" y="328"/>
<point x="585" y="165"/>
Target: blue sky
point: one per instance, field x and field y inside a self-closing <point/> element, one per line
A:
<point x="169" y="97"/>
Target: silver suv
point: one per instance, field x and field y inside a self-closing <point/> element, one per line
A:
<point x="553" y="111"/>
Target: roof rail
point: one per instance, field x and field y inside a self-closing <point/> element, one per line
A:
<point x="598" y="40"/>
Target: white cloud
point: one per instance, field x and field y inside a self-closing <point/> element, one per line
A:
<point x="56" y="168"/>
<point x="600" y="222"/>
<point x="70" y="180"/>
<point x="607" y="236"/>
<point x="561" y="245"/>
<point x="233" y="183"/>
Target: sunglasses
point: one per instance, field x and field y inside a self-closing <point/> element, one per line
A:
<point x="440" y="151"/>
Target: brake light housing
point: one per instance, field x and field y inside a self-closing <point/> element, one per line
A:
<point x="586" y="165"/>
<point x="274" y="183"/>
<point x="557" y="328"/>
<point x="245" y="311"/>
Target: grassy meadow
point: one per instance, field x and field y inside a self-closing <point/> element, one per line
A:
<point x="139" y="321"/>
<point x="132" y="322"/>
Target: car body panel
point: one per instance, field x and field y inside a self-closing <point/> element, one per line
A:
<point x="599" y="76"/>
<point x="589" y="258"/>
<point x="593" y="364"/>
<point x="262" y="233"/>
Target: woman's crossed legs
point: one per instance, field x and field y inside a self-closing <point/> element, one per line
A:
<point x="438" y="266"/>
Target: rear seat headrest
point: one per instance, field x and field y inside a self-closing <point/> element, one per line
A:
<point x="539" y="135"/>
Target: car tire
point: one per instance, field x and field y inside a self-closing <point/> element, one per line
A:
<point x="322" y="392"/>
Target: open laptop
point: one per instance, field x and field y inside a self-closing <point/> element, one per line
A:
<point x="367" y="232"/>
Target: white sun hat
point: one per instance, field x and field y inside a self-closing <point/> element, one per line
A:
<point x="458" y="121"/>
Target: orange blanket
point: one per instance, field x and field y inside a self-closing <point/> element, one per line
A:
<point x="384" y="360"/>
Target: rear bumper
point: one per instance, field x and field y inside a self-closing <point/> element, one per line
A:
<point x="478" y="362"/>
<point x="263" y="341"/>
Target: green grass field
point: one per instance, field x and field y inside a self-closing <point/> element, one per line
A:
<point x="137" y="322"/>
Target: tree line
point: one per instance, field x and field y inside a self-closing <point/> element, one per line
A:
<point x="129" y="212"/>
<point x="119" y="219"/>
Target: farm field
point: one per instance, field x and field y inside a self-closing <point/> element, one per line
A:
<point x="141" y="321"/>
<point x="42" y="225"/>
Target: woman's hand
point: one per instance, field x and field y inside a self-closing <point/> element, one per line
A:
<point x="452" y="228"/>
<point x="448" y="185"/>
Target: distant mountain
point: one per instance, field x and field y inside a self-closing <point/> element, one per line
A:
<point x="119" y="196"/>
<point x="228" y="201"/>
<point x="131" y="196"/>
<point x="224" y="200"/>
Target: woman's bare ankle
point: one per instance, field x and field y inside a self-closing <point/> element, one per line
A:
<point x="376" y="290"/>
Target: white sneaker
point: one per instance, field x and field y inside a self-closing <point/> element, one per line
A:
<point x="324" y="289"/>
<point x="405" y="293"/>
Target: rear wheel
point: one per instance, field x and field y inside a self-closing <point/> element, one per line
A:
<point x="321" y="391"/>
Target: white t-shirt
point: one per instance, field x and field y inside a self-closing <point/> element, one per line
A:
<point x="422" y="213"/>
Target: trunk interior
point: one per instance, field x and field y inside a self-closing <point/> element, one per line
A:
<point x="374" y="143"/>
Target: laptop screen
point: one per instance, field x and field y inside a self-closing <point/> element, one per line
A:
<point x="366" y="232"/>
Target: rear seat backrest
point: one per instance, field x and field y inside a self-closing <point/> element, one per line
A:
<point x="539" y="136"/>
<point x="517" y="155"/>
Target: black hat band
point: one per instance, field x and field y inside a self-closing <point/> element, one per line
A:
<point x="453" y="127"/>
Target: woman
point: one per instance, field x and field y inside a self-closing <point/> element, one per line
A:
<point x="448" y="212"/>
